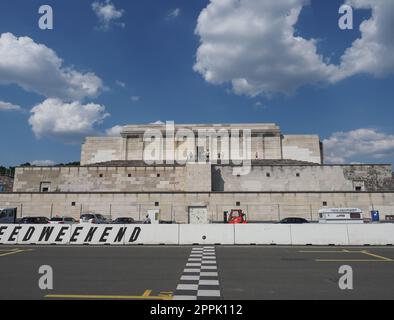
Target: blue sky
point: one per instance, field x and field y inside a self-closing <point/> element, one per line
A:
<point x="145" y="59"/>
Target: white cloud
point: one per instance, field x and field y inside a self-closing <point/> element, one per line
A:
<point x="135" y="98"/>
<point x="6" y="106"/>
<point x="120" y="83"/>
<point x="114" y="131"/>
<point x="107" y="14"/>
<point x="43" y="163"/>
<point x="37" y="68"/>
<point x="174" y="13"/>
<point x="360" y="143"/>
<point x="252" y="45"/>
<point x="66" y="121"/>
<point x="373" y="52"/>
<point x="158" y="122"/>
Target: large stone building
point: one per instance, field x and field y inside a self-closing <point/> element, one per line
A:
<point x="285" y="176"/>
<point x="267" y="142"/>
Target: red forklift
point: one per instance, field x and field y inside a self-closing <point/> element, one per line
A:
<point x="235" y="216"/>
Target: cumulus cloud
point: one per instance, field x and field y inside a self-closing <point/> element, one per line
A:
<point x="7" y="106"/>
<point x="252" y="45"/>
<point x="373" y="52"/>
<point x="66" y="121"/>
<point x="360" y="143"/>
<point x="37" y="68"/>
<point x="135" y="98"/>
<point x="114" y="131"/>
<point x="107" y="14"/>
<point x="43" y="163"/>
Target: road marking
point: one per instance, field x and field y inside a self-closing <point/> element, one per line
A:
<point x="147" y="293"/>
<point x="376" y="256"/>
<point x="167" y="295"/>
<point x="208" y="268"/>
<point x="187" y="287"/>
<point x="197" y="283"/>
<point x="208" y="293"/>
<point x="190" y="278"/>
<point x="14" y="252"/>
<point x="379" y="258"/>
<point x="351" y="260"/>
<point x="209" y="282"/>
<point x="326" y="251"/>
<point x="193" y="264"/>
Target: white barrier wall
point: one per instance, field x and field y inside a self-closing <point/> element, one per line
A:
<point x="153" y="234"/>
<point x="206" y="234"/>
<point x="132" y="234"/>
<point x="44" y="234"/>
<point x="98" y="234"/>
<point x="319" y="234"/>
<point x="262" y="234"/>
<point x="9" y="233"/>
<point x="373" y="234"/>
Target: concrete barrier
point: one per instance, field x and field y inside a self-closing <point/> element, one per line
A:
<point x="44" y="234"/>
<point x="262" y="234"/>
<point x="153" y="234"/>
<point x="372" y="234"/>
<point x="98" y="234"/>
<point x="206" y="234"/>
<point x="319" y="234"/>
<point x="132" y="234"/>
<point x="9" y="233"/>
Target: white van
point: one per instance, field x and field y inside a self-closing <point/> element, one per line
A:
<point x="340" y="215"/>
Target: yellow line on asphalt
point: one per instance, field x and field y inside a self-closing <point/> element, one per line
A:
<point x="327" y="251"/>
<point x="87" y="296"/>
<point x="376" y="256"/>
<point x="14" y="252"/>
<point x="352" y="260"/>
<point x="147" y="293"/>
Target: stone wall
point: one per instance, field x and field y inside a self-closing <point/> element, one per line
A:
<point x="305" y="178"/>
<point x="192" y="177"/>
<point x="302" y="147"/>
<point x="266" y="143"/>
<point x="262" y="206"/>
<point x="101" y="149"/>
<point x="6" y="183"/>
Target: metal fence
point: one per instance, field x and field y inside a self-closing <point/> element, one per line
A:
<point x="179" y="213"/>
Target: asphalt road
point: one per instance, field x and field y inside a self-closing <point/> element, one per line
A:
<point x="153" y="272"/>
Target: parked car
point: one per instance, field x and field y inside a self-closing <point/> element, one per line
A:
<point x="123" y="220"/>
<point x="93" y="218"/>
<point x="33" y="220"/>
<point x="62" y="220"/>
<point x="293" y="220"/>
<point x="8" y="215"/>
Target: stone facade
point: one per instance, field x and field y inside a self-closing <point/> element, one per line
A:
<point x="113" y="178"/>
<point x="286" y="178"/>
<point x="274" y="176"/>
<point x="174" y="206"/>
<point x="6" y="183"/>
<point x="267" y="142"/>
<point x="264" y="175"/>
